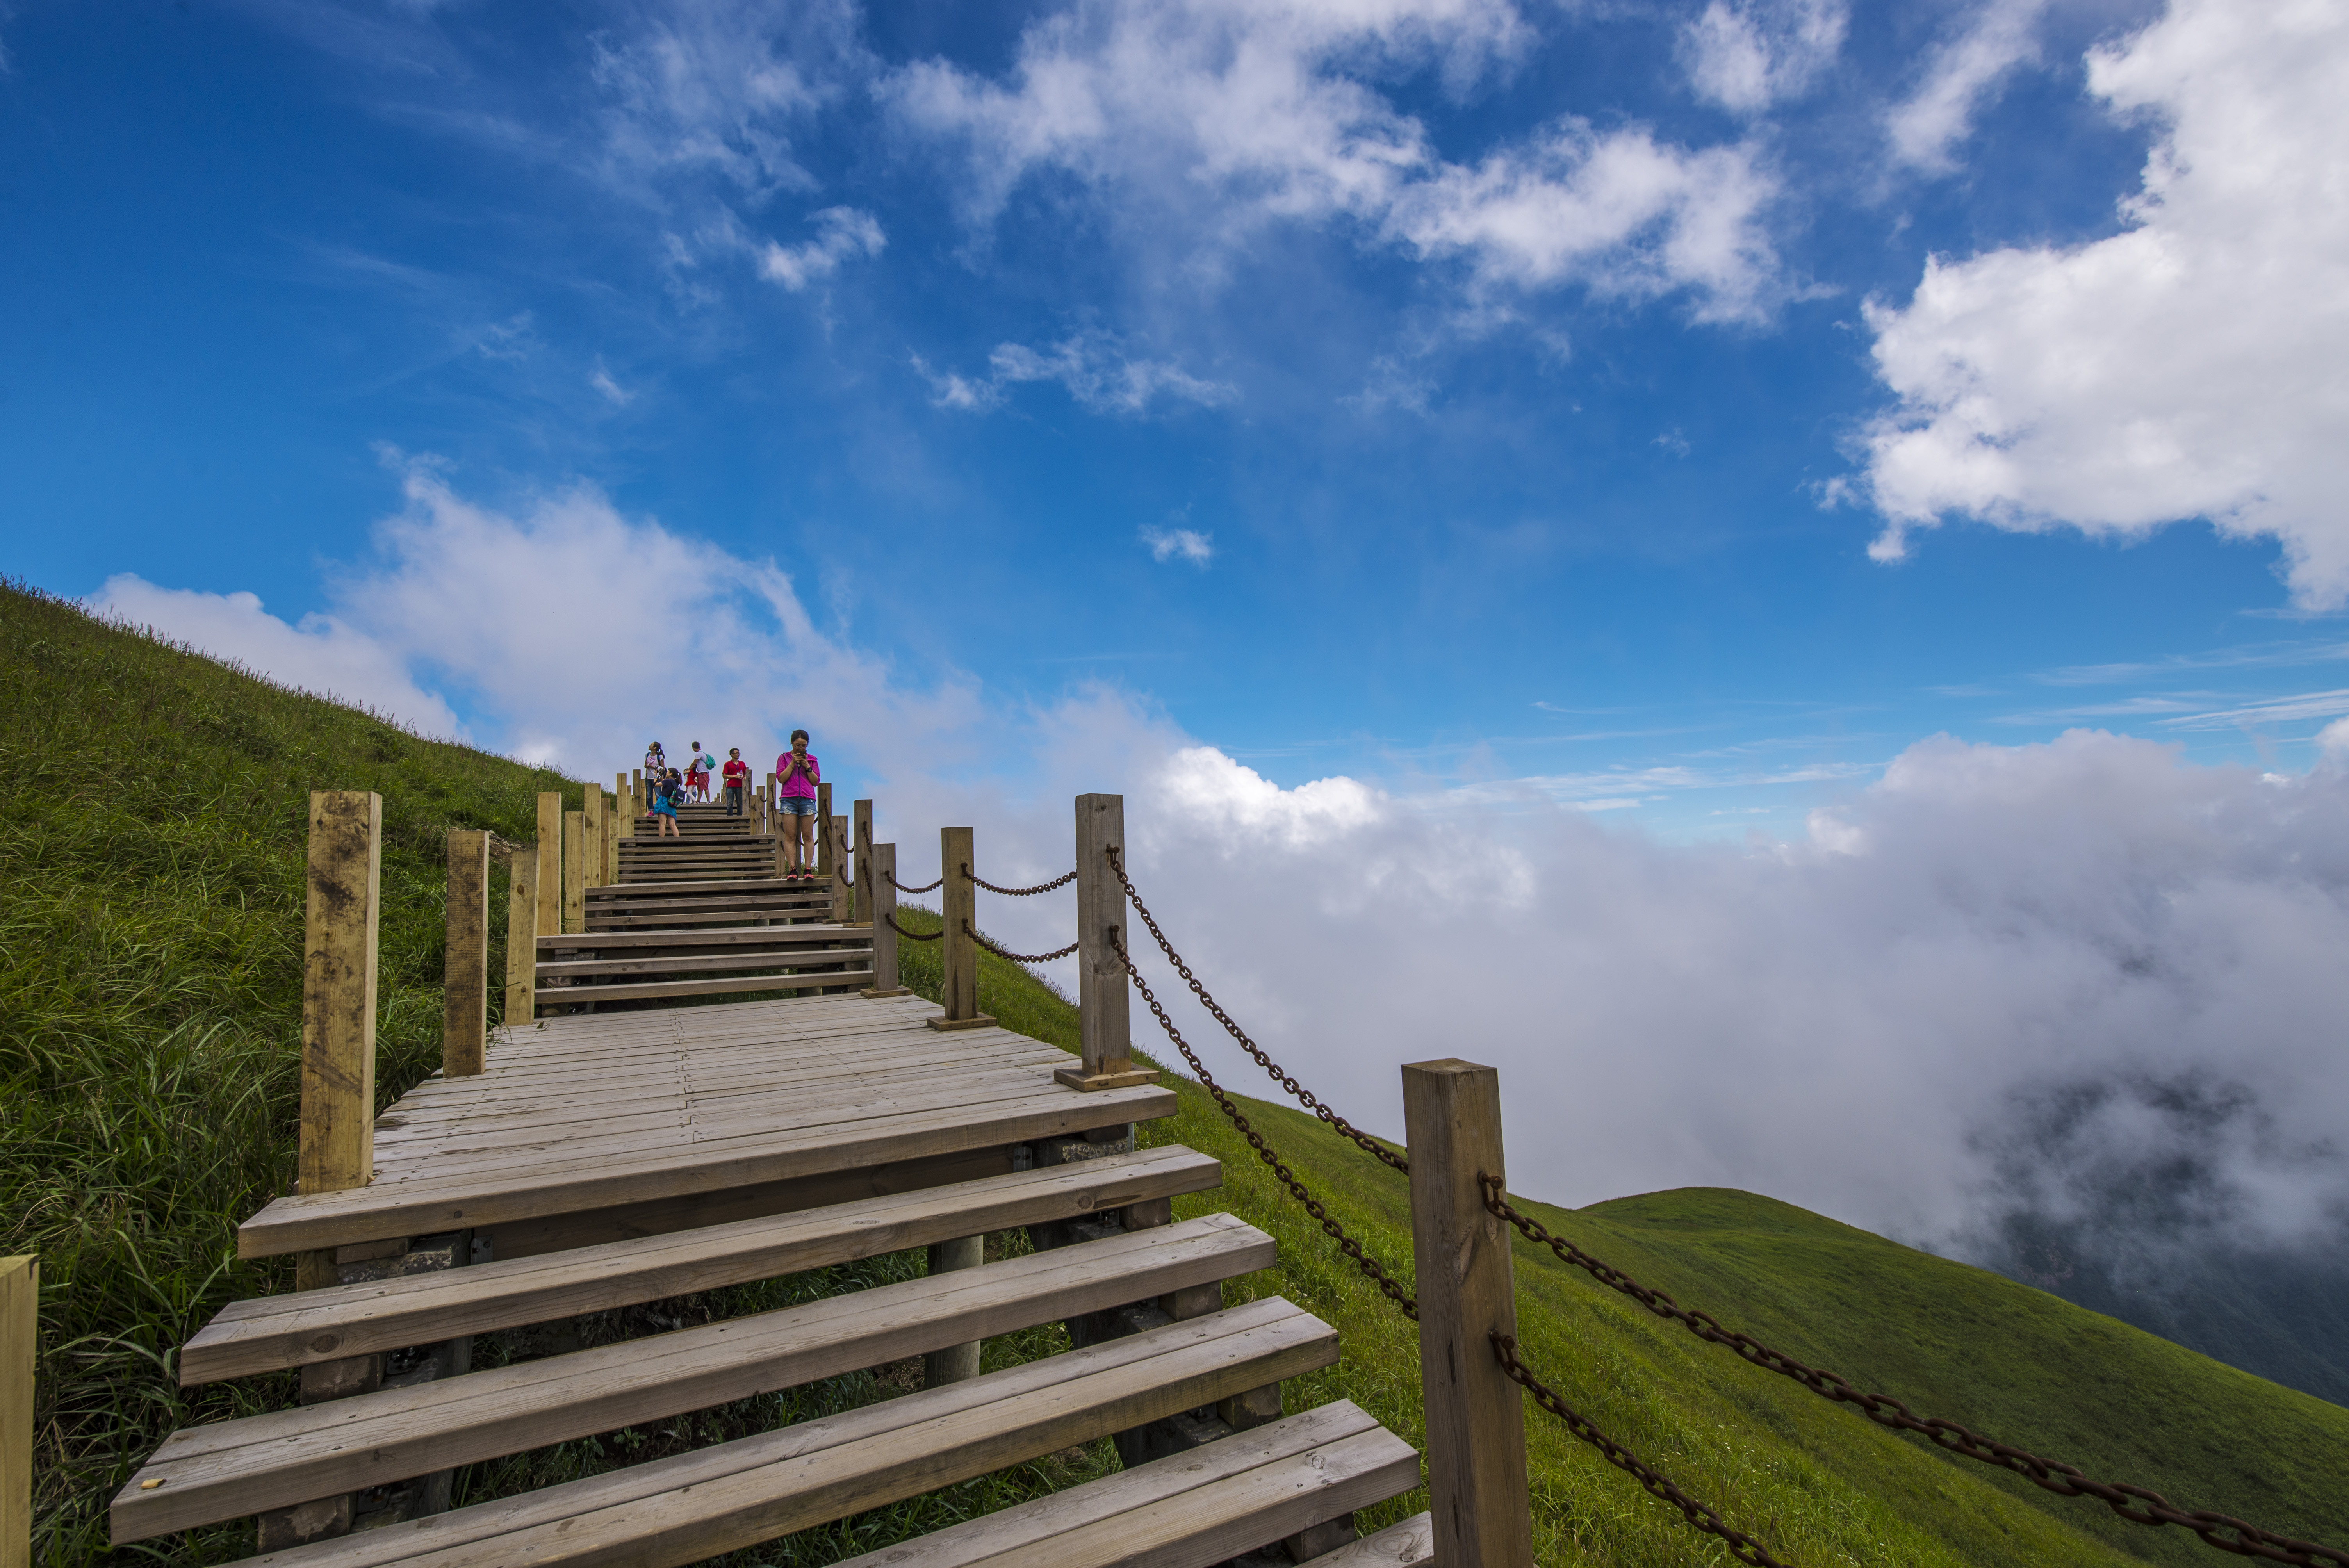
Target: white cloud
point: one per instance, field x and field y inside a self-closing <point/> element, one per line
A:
<point x="2190" y="367"/>
<point x="321" y="654"/>
<point x="846" y="233"/>
<point x="1093" y="369"/>
<point x="1999" y="36"/>
<point x="1747" y="54"/>
<point x="1209" y="118"/>
<point x="602" y="381"/>
<point x="1189" y="543"/>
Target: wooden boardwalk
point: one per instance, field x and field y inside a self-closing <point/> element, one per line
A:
<point x="631" y="1146"/>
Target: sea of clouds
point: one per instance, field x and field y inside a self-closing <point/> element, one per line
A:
<point x="2083" y="983"/>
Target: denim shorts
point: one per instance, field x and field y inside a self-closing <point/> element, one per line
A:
<point x="796" y="805"/>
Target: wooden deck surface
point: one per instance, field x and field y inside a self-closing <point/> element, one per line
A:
<point x="601" y="1112"/>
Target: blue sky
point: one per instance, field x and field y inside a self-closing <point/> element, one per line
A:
<point x="1438" y="393"/>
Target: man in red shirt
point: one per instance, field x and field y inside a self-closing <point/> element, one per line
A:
<point x="737" y="774"/>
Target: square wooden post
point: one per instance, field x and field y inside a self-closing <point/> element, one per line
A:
<point x="1104" y="1028"/>
<point x="859" y="835"/>
<point x="624" y="803"/>
<point x="465" y="969"/>
<point x="959" y="899"/>
<point x="955" y="1362"/>
<point x="613" y="817"/>
<point x="522" y="940"/>
<point x="20" y="1319"/>
<point x="574" y="872"/>
<point x="822" y="866"/>
<point x="884" y="936"/>
<point x="338" y="975"/>
<point x="1475" y="1415"/>
<point x="591" y="818"/>
<point x="550" y="863"/>
<point x="843" y="902"/>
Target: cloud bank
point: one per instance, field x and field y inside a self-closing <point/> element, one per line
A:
<point x="2188" y="366"/>
<point x="1873" y="1021"/>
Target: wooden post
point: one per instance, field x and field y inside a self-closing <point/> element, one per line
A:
<point x="843" y="902"/>
<point x="465" y="971"/>
<point x="884" y="936"/>
<point x="550" y="863"/>
<point x="338" y="954"/>
<point x="823" y="829"/>
<point x="613" y="817"/>
<point x="20" y="1317"/>
<point x="1104" y="1028"/>
<point x="959" y="900"/>
<point x="1475" y="1415"/>
<point x="591" y="818"/>
<point x="955" y="1362"/>
<point x="861" y="841"/>
<point x="623" y="811"/>
<point x="575" y="870"/>
<point x="521" y="941"/>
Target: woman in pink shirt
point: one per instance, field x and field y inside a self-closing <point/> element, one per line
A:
<point x="796" y="802"/>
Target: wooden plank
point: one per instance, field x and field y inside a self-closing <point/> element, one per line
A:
<point x="465" y="968"/>
<point x="708" y="963"/>
<point x="804" y="980"/>
<point x="339" y="990"/>
<point x="697" y="1505"/>
<point x="273" y="1332"/>
<point x="1476" y="1416"/>
<point x="521" y="935"/>
<point x="1251" y="1489"/>
<point x="229" y="1468"/>
<point x="814" y="934"/>
<point x="20" y="1316"/>
<point x="426" y="1207"/>
<point x="550" y="860"/>
<point x="1410" y="1544"/>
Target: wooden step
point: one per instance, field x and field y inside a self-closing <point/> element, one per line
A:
<point x="689" y="940"/>
<point x="1408" y="1544"/>
<point x="859" y="979"/>
<point x="430" y="1201"/>
<point x="694" y="1506"/>
<point x="744" y="960"/>
<point x="1190" y="1510"/>
<point x="229" y="1468"/>
<point x="279" y="1331"/>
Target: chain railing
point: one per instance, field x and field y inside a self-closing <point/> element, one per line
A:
<point x="1305" y="1097"/>
<point x="1017" y="957"/>
<point x="978" y="880"/>
<point x="917" y="892"/>
<point x="891" y="922"/>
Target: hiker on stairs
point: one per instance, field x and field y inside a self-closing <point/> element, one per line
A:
<point x="738" y="780"/>
<point x="667" y="794"/>
<point x="797" y="770"/>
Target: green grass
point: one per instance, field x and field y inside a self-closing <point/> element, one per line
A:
<point x="151" y="820"/>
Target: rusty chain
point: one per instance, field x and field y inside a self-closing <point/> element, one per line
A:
<point x="1305" y="1097"/>
<point x="891" y="922"/>
<point x="1741" y="1546"/>
<point x="2133" y="1503"/>
<point x="1016" y="957"/>
<point x="1265" y="1151"/>
<point x="1017" y="891"/>
<point x="917" y="892"/>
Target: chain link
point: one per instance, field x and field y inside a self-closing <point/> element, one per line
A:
<point x="1265" y="1151"/>
<point x="2133" y="1503"/>
<point x="1018" y="891"/>
<point x="1741" y="1546"/>
<point x="917" y="892"/>
<point x="1305" y="1097"/>
<point x="1016" y="957"/>
<point x="891" y="922"/>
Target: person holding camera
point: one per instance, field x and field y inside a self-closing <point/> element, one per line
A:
<point x="795" y="800"/>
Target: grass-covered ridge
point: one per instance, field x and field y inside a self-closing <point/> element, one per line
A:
<point x="152" y="820"/>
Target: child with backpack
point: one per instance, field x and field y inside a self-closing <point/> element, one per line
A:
<point x="666" y="796"/>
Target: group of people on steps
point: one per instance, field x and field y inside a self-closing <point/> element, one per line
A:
<point x="796" y="771"/>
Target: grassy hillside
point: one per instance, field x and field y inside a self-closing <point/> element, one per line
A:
<point x="151" y="841"/>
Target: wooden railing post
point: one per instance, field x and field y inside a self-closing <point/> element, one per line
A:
<point x="955" y="1362"/>
<point x="822" y="866"/>
<point x="522" y="940"/>
<point x="843" y="902"/>
<point x="591" y="820"/>
<point x="624" y="803"/>
<point x="20" y="1316"/>
<point x="574" y="872"/>
<point x="465" y="969"/>
<point x="860" y="835"/>
<point x="339" y="958"/>
<point x="1475" y="1415"/>
<point x="550" y="863"/>
<point x="1104" y="1028"/>
<point x="884" y="936"/>
<point x="959" y="900"/>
